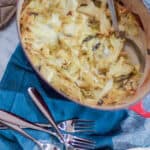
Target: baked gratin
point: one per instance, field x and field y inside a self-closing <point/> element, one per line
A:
<point x="74" y="47"/>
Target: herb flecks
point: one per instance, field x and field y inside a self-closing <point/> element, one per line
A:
<point x="100" y="102"/>
<point x="95" y="47"/>
<point x="88" y="38"/>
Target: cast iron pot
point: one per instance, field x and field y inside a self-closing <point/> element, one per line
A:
<point x="135" y="104"/>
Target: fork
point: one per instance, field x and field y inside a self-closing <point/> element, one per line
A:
<point x="13" y="121"/>
<point x="42" y="146"/>
<point x="71" y="126"/>
<point x="42" y="106"/>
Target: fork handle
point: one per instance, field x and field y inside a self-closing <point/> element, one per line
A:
<point x="47" y="126"/>
<point x="40" y="103"/>
<point x="21" y="122"/>
<point x="21" y="131"/>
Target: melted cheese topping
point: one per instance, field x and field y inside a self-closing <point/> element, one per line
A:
<point x="74" y="47"/>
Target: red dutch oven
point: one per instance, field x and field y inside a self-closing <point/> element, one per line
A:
<point x="136" y="102"/>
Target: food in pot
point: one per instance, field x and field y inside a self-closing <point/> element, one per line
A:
<point x="73" y="45"/>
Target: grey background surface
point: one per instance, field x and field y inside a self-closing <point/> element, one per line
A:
<point x="8" y="42"/>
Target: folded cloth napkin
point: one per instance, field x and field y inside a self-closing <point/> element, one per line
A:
<point x="7" y="11"/>
<point x="14" y="98"/>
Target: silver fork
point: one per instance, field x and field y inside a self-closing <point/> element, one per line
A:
<point x="77" y="125"/>
<point x="41" y="145"/>
<point x="14" y="122"/>
<point x="72" y="126"/>
<point x="42" y="106"/>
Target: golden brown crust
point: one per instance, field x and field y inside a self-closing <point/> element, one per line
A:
<point x="78" y="54"/>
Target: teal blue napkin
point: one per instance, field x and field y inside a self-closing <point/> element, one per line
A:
<point x="14" y="98"/>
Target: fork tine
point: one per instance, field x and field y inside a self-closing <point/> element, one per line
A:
<point x="82" y="140"/>
<point x="84" y="126"/>
<point x="83" y="121"/>
<point x="83" y="130"/>
<point x="83" y="147"/>
<point x="78" y="142"/>
<point x="83" y="144"/>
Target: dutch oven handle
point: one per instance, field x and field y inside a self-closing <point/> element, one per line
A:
<point x="139" y="109"/>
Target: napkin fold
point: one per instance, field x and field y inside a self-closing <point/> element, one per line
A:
<point x="14" y="98"/>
